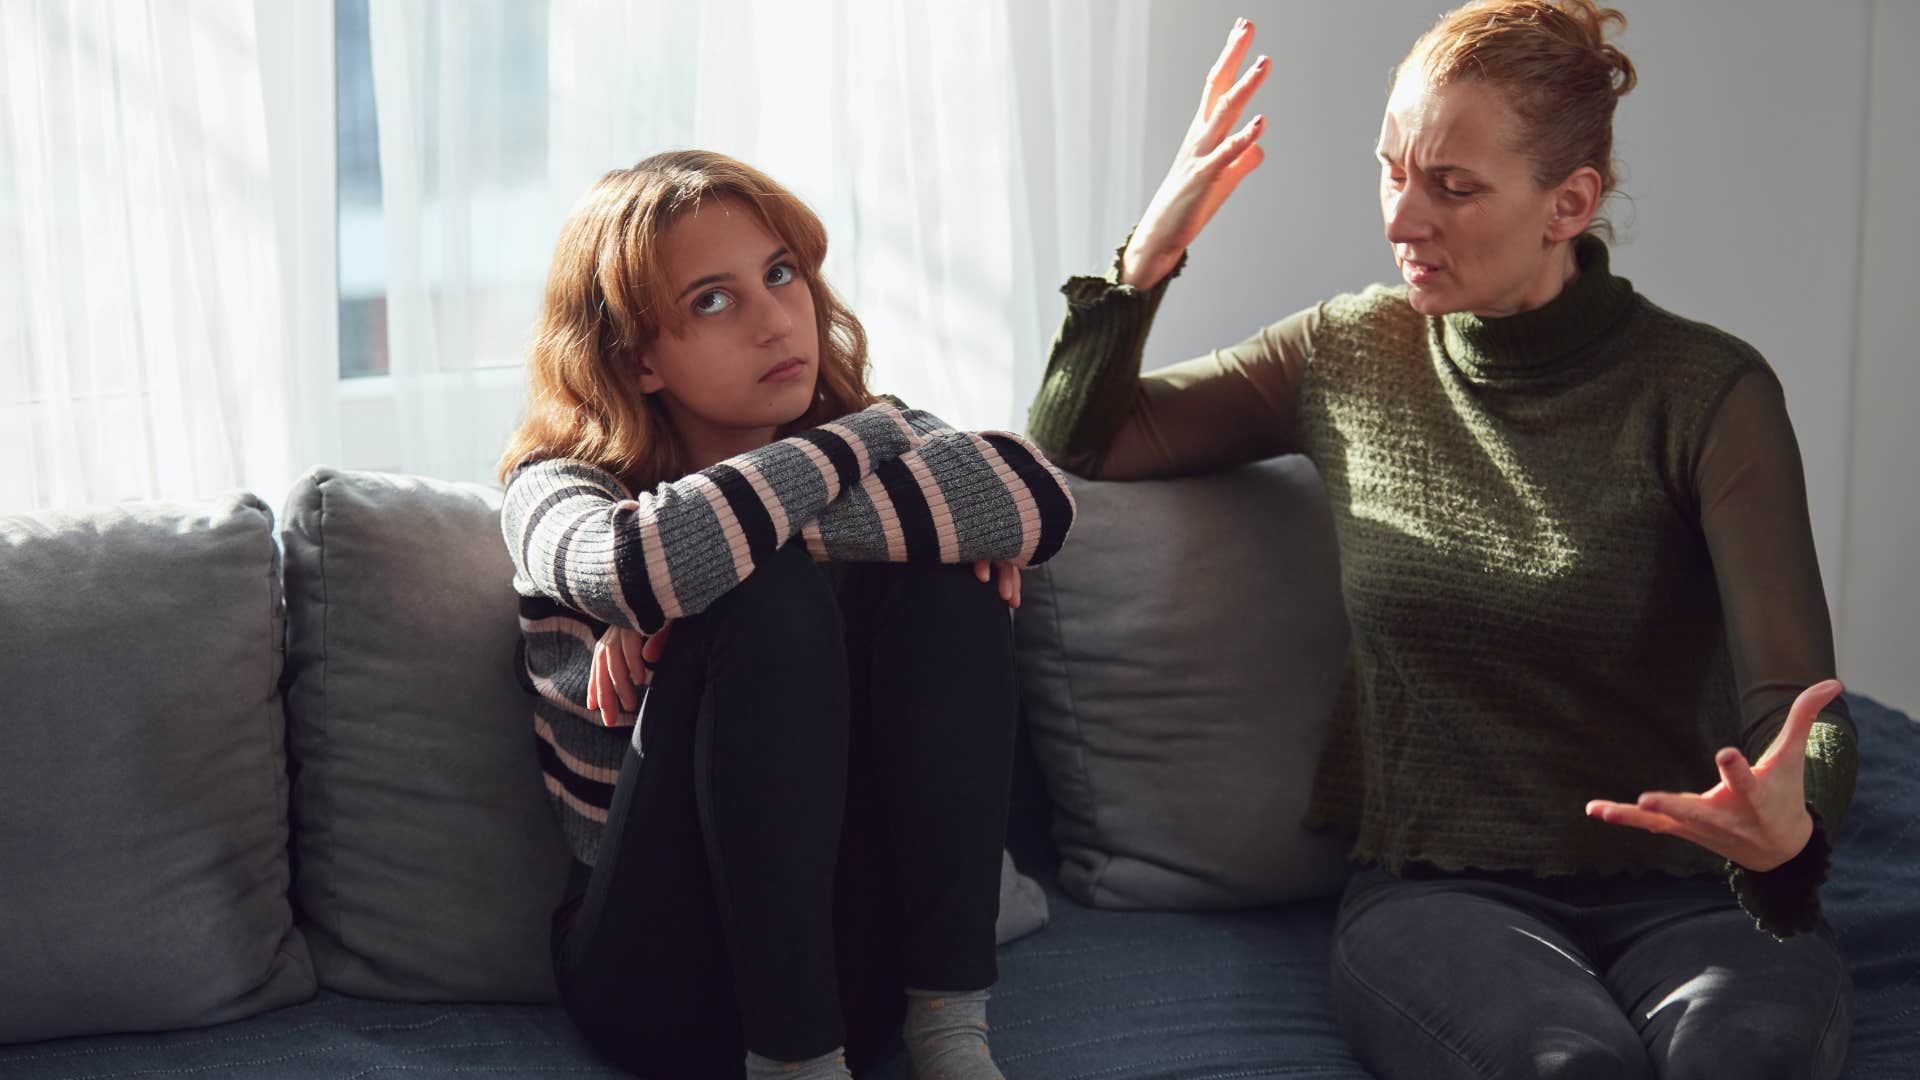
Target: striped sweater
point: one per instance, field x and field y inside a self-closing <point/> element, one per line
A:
<point x="885" y="484"/>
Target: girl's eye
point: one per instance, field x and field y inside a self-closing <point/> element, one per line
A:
<point x="712" y="302"/>
<point x="781" y="274"/>
<point x="1459" y="193"/>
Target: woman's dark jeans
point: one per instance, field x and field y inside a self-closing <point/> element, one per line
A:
<point x="1482" y="975"/>
<point x="814" y="824"/>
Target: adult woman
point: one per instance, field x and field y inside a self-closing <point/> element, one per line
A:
<point x="1577" y="565"/>
<point x="815" y="824"/>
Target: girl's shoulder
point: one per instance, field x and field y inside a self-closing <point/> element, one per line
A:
<point x="541" y="474"/>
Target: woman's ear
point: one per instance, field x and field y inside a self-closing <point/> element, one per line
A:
<point x="1574" y="204"/>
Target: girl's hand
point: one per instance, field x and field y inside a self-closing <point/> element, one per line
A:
<point x="1755" y="817"/>
<point x="1210" y="162"/>
<point x="622" y="660"/>
<point x="1008" y="575"/>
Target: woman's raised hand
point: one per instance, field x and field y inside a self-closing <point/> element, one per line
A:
<point x="1211" y="161"/>
<point x="622" y="660"/>
<point x="1754" y="817"/>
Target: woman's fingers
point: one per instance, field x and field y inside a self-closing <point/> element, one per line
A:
<point x="1633" y="817"/>
<point x="1226" y="111"/>
<point x="1737" y="775"/>
<point x="1692" y="810"/>
<point x="1220" y="76"/>
<point x="982" y="570"/>
<point x="1800" y="717"/>
<point x="1230" y="150"/>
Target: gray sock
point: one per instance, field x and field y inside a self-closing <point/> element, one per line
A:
<point x="828" y="1066"/>
<point x="946" y="1036"/>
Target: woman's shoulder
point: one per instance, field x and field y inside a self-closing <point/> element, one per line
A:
<point x="1689" y="355"/>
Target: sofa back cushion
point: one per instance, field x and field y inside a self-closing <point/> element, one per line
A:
<point x="143" y="791"/>
<point x="1179" y="659"/>
<point x="427" y="863"/>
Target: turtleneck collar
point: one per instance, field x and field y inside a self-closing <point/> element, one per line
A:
<point x="1541" y="341"/>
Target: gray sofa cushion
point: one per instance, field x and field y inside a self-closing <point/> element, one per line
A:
<point x="143" y="795"/>
<point x="427" y="858"/>
<point x="427" y="863"/>
<point x="1179" y="659"/>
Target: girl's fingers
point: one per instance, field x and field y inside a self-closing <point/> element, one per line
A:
<point x="617" y="678"/>
<point x="634" y="647"/>
<point x="981" y="570"/>
<point x="655" y="645"/>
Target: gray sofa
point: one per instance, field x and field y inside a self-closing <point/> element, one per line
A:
<point x="270" y="806"/>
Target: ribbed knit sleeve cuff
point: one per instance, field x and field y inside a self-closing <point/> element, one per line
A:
<point x="1833" y="761"/>
<point x="1094" y="364"/>
<point x="1785" y="900"/>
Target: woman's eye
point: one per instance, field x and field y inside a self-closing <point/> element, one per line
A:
<point x="712" y="302"/>
<point x="1459" y="193"/>
<point x="781" y="274"/>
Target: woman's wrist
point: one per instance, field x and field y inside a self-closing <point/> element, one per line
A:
<point x="1143" y="267"/>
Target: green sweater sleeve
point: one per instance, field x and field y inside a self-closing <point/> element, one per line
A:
<point x="1753" y="510"/>
<point x="1093" y="367"/>
<point x="1096" y="414"/>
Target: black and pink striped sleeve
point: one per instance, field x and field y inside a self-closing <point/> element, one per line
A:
<point x="958" y="497"/>
<point x="579" y="538"/>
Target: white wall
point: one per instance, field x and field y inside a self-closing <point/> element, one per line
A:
<point x="1742" y="152"/>
<point x="1879" y="614"/>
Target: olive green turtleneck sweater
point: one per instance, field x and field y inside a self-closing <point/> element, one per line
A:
<point x="1574" y="549"/>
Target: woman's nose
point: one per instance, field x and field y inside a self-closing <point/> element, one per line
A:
<point x="1406" y="216"/>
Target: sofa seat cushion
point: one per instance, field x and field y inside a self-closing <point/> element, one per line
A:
<point x="143" y="790"/>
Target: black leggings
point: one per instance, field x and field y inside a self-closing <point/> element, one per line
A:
<point x="815" y="823"/>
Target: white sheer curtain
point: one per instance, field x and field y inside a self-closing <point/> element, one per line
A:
<point x="141" y="344"/>
<point x="963" y="156"/>
<point x="171" y="309"/>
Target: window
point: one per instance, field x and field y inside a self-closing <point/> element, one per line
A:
<point x="487" y="239"/>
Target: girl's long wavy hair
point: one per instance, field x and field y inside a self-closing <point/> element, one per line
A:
<point x="608" y="299"/>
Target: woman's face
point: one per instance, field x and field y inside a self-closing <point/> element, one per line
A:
<point x="747" y="359"/>
<point x="1470" y="229"/>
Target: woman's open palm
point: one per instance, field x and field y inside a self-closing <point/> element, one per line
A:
<point x="1211" y="162"/>
<point x="1756" y="816"/>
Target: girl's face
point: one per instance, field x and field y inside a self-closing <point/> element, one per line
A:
<point x="1470" y="229"/>
<point x="747" y="359"/>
